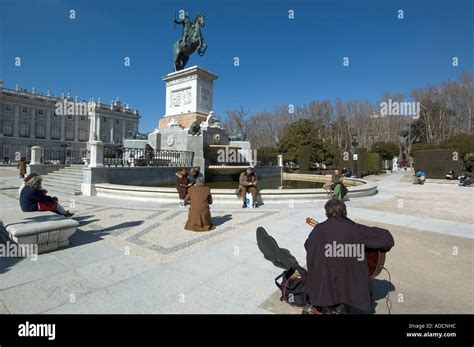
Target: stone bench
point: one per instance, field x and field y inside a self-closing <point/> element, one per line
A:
<point x="48" y="230"/>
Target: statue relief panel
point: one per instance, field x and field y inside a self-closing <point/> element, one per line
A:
<point x="181" y="97"/>
<point x="205" y="98"/>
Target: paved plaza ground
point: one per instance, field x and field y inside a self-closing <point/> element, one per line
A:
<point x="136" y="257"/>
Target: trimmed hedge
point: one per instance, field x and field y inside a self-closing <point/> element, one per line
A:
<point x="304" y="157"/>
<point x="437" y="163"/>
<point x="368" y="163"/>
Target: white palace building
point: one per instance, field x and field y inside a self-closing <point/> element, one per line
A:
<point x="28" y="118"/>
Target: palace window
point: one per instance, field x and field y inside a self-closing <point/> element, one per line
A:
<point x="40" y="132"/>
<point x="8" y="108"/>
<point x="117" y="121"/>
<point x="83" y="118"/>
<point x="24" y="109"/>
<point x="69" y="134"/>
<point x="69" y="116"/>
<point x="40" y="112"/>
<point x="7" y="129"/>
<point x="24" y="130"/>
<point x="55" y="133"/>
<point x="82" y="135"/>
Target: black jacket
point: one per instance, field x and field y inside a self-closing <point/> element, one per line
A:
<point x="29" y="198"/>
<point x="335" y="280"/>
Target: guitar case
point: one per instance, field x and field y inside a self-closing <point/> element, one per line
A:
<point x="291" y="286"/>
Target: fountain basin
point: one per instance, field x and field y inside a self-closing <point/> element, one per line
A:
<point x="357" y="188"/>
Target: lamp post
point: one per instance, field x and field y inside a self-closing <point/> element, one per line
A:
<point x="354" y="144"/>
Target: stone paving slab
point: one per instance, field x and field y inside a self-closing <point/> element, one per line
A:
<point x="139" y="258"/>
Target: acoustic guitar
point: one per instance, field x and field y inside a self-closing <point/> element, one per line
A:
<point x="375" y="258"/>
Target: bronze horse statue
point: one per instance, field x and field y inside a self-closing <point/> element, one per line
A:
<point x="190" y="41"/>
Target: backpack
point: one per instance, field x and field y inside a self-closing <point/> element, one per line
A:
<point x="293" y="290"/>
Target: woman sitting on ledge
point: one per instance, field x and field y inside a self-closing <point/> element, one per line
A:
<point x="33" y="198"/>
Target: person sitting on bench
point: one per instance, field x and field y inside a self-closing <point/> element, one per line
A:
<point x="33" y="198"/>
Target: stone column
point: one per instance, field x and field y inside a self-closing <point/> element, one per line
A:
<point x="17" y="121"/>
<point x="35" y="155"/>
<point x="32" y="124"/>
<point x="98" y="120"/>
<point x="76" y="127"/>
<point x="63" y="127"/>
<point x="124" y="129"/>
<point x="97" y="154"/>
<point x="112" y="130"/>
<point x="48" y="125"/>
<point x="92" y="124"/>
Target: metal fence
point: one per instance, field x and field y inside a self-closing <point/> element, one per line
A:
<point x="61" y="157"/>
<point x="133" y="157"/>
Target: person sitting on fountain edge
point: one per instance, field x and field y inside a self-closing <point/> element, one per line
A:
<point x="248" y="184"/>
<point x="182" y="184"/>
<point x="195" y="174"/>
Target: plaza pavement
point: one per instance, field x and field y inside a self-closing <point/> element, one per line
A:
<point x="132" y="257"/>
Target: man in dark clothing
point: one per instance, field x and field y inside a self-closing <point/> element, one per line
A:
<point x="337" y="266"/>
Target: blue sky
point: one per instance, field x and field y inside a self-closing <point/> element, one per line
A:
<point x="282" y="61"/>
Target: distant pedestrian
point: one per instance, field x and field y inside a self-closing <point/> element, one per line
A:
<point x="21" y="166"/>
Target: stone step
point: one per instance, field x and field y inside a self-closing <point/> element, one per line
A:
<point x="61" y="187"/>
<point x="62" y="180"/>
<point x="64" y="191"/>
<point x="64" y="176"/>
<point x="70" y="171"/>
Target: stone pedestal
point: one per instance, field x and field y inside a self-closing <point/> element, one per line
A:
<point x="97" y="154"/>
<point x="189" y="96"/>
<point x="154" y="139"/>
<point x="35" y="155"/>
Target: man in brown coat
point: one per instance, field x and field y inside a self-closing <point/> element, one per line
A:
<point x="337" y="267"/>
<point x="199" y="215"/>
<point x="248" y="183"/>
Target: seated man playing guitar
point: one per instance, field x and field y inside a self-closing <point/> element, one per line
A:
<point x="338" y="276"/>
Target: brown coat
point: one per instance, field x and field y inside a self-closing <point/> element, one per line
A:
<point x="181" y="185"/>
<point x="22" y="167"/>
<point x="341" y="280"/>
<point x="199" y="216"/>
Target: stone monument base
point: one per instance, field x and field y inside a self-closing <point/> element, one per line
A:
<point x="185" y="120"/>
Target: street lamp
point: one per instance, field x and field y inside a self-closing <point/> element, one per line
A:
<point x="354" y="144"/>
